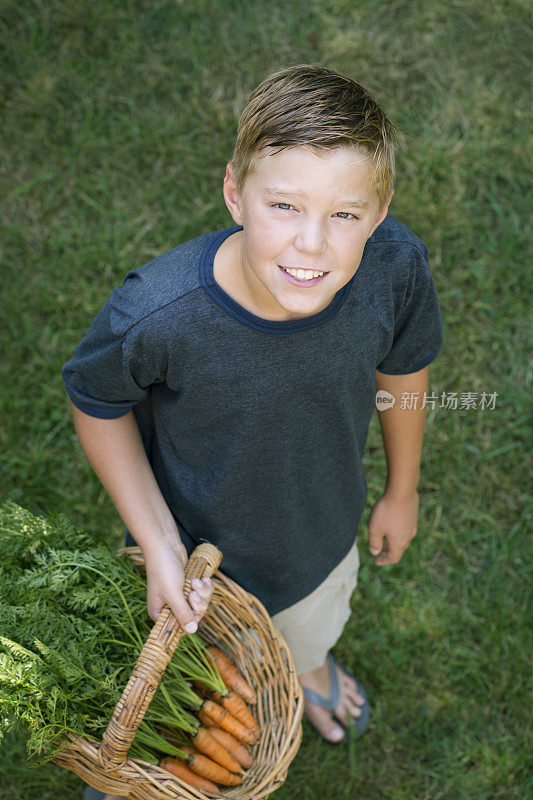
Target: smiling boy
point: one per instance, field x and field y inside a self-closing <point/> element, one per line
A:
<point x="291" y="235"/>
<point x="224" y="392"/>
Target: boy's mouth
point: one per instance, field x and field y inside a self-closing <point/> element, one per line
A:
<point x="302" y="277"/>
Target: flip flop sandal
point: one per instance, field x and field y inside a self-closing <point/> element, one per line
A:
<point x="90" y="793"/>
<point x="358" y="724"/>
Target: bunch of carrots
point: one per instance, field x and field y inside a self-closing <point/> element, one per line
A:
<point x="207" y="748"/>
<point x="62" y="670"/>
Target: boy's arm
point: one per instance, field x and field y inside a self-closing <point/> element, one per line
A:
<point x="116" y="453"/>
<point x="393" y="520"/>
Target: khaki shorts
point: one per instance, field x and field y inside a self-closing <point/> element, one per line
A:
<point x="313" y="625"/>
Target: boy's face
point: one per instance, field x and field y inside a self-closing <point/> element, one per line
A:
<point x="298" y="211"/>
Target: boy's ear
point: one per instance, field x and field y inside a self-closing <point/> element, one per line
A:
<point x="232" y="196"/>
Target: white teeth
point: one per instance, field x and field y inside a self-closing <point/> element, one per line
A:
<point x="303" y="274"/>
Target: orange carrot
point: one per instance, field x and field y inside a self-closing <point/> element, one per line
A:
<point x="180" y="770"/>
<point x="210" y="769"/>
<point x="233" y="746"/>
<point x="231" y="675"/>
<point x="211" y="713"/>
<point x="207" y="744"/>
<point x="234" y="703"/>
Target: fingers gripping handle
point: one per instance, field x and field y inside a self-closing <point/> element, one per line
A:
<point x="151" y="664"/>
<point x="204" y="562"/>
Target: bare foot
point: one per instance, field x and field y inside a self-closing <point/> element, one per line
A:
<point x="319" y="681"/>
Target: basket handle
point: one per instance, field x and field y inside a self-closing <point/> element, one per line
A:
<point x="151" y="664"/>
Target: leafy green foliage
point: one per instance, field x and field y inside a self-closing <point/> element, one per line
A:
<point x="73" y="621"/>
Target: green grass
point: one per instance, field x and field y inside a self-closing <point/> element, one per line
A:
<point x="117" y="121"/>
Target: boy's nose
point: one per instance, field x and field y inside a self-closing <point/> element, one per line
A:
<point x="310" y="237"/>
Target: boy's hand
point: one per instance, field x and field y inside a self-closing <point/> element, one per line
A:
<point x="165" y="574"/>
<point x="392" y="527"/>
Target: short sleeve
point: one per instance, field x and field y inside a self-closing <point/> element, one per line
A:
<point x="115" y="363"/>
<point x="418" y="326"/>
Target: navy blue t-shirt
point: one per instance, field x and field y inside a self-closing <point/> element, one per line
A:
<point x="255" y="429"/>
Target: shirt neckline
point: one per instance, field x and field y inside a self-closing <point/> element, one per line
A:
<point x="241" y="314"/>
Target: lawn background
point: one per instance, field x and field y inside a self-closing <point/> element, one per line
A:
<point x="117" y="121"/>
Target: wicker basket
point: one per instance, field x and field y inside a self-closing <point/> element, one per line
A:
<point x="236" y="620"/>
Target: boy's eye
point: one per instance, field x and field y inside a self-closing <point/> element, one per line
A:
<point x="345" y="215"/>
<point x="341" y="214"/>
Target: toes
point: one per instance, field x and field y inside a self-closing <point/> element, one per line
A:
<point x="324" y="723"/>
<point x="350" y="706"/>
<point x="346" y="715"/>
<point x="335" y="734"/>
<point x="351" y="691"/>
<point x="355" y="699"/>
<point x="347" y="710"/>
<point x="332" y="732"/>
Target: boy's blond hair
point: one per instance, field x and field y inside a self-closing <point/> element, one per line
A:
<point x="313" y="106"/>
